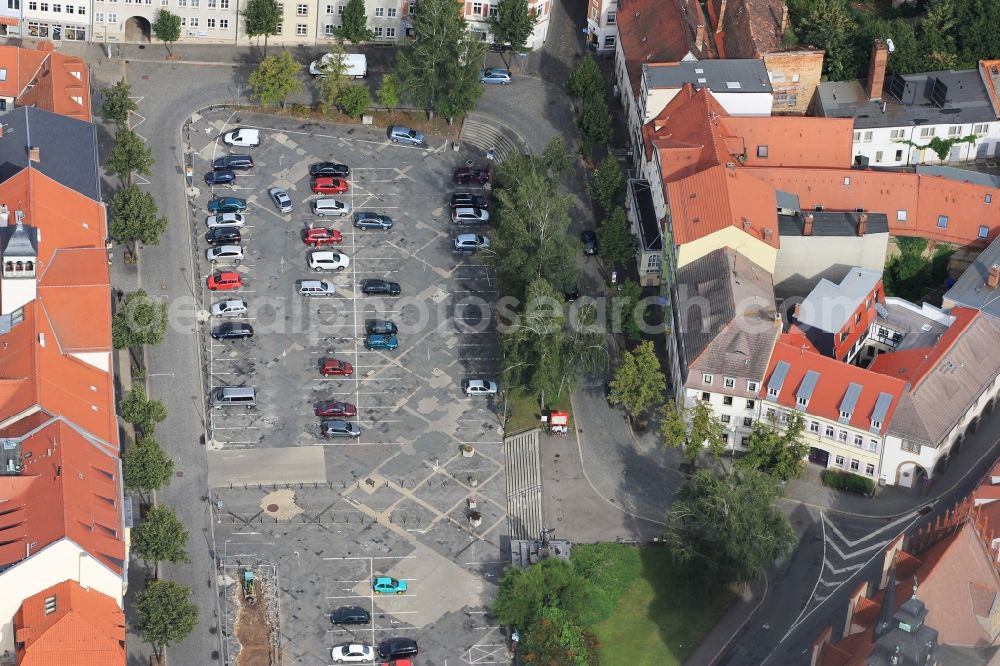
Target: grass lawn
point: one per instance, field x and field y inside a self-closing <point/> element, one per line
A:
<point x="525" y="413"/>
<point x="654" y="624"/>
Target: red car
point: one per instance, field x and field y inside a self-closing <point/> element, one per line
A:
<point x="329" y="185"/>
<point x="469" y="175"/>
<point x="335" y="408"/>
<point x="320" y="236"/>
<point x="224" y="281"/>
<point x="334" y="366"/>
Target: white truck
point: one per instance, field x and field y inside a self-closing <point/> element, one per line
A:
<point x="355" y="65"/>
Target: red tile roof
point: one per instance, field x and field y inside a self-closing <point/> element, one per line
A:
<point x="835" y="378"/>
<point x="70" y="488"/>
<point x="912" y="365"/>
<point x="86" y="628"/>
<point x="657" y="31"/>
<point x="59" y="83"/>
<point x="749" y="29"/>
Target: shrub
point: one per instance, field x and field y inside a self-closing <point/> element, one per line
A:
<point x="300" y="109"/>
<point x="849" y="482"/>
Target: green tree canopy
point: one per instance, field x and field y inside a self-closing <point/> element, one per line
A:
<point x="333" y="77"/>
<point x="595" y="122"/>
<point x="829" y="25"/>
<point x="556" y="639"/>
<point x="261" y="17"/>
<point x="727" y="529"/>
<point x="513" y="24"/>
<point x="134" y="217"/>
<point x="142" y="411"/>
<point x="130" y="155"/>
<point x="439" y="69"/>
<point x="388" y="92"/>
<point x="586" y="81"/>
<point x="165" y="613"/>
<point x="146" y="466"/>
<point x="167" y="27"/>
<point x="694" y="430"/>
<point x="118" y="103"/>
<point x="778" y="452"/>
<point x="354" y="23"/>
<point x="639" y="382"/>
<point x="616" y="244"/>
<point x="627" y="310"/>
<point x="275" y="79"/>
<point x="355" y="100"/>
<point x="607" y="184"/>
<point x="160" y="537"/>
<point x="524" y="593"/>
<point x="139" y="320"/>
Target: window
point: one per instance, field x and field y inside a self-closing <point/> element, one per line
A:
<point x="761" y="151"/>
<point x="855" y="464"/>
<point x="77" y="34"/>
<point x="13" y="4"/>
<point x="829" y="431"/>
<point x="876" y="423"/>
<point x="942" y="221"/>
<point x="99" y="17"/>
<point x="899" y="155"/>
<point x="981" y="129"/>
<point x="897" y="134"/>
<point x="771" y="414"/>
<point x="212" y="4"/>
<point x="210" y="23"/>
<point x="772" y="392"/>
<point x="223" y="23"/>
<point x="609" y="43"/>
<point x="612" y="17"/>
<point x="477" y="9"/>
<point x="727" y="400"/>
<point x="340" y="10"/>
<point x="301" y="29"/>
<point x="328" y="30"/>
<point x="725" y="418"/>
<point x="706" y="396"/>
<point x="390" y="32"/>
<point x="873" y="445"/>
<point x="839" y="461"/>
<point x="802" y="402"/>
<point x="901" y="216"/>
<point x="984" y="231"/>
<point x="302" y="10"/>
<point x="926" y="132"/>
<point x="866" y="137"/>
<point x="57" y="8"/>
<point x="379" y="12"/>
<point x="195" y="3"/>
<point x="870" y="469"/>
<point x="847" y="181"/>
<point x="988" y="199"/>
<point x="280" y="28"/>
<point x="223" y="4"/>
<point x="911" y="447"/>
<point x="814" y="426"/>
<point x="725" y="438"/>
<point x="50" y="605"/>
<point x="845" y="415"/>
<point x="954" y="130"/>
<point x="193" y="22"/>
<point x="184" y="21"/>
<point x="729" y="382"/>
<point x="32" y="6"/>
<point x="858" y="440"/>
<point x="878" y="156"/>
<point x="390" y="12"/>
<point x="494" y="11"/>
<point x="331" y="9"/>
<point x="857" y="137"/>
<point x="744" y="442"/>
<point x="378" y="32"/>
<point x="793" y="99"/>
<point x="112" y="17"/>
<point x="752" y="386"/>
<point x="751" y="404"/>
<point x="842" y="435"/>
<point x="843" y="336"/>
<point x="783" y="417"/>
<point x="182" y="3"/>
<point x="747" y="422"/>
<point x="706" y="378"/>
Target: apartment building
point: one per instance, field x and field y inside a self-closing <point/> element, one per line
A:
<point x="478" y="12"/>
<point x="56" y="21"/>
<point x="45" y="79"/>
<point x="602" y="25"/>
<point x="836" y="318"/>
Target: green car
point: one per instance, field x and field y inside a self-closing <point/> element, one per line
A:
<point x="227" y="205"/>
<point x="387" y="585"/>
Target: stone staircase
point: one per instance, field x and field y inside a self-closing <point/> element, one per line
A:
<point x="524" y="485"/>
<point x="483" y="132"/>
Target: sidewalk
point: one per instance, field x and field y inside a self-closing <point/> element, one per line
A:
<point x="729" y="627"/>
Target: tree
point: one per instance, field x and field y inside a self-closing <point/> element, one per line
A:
<point x="388" y="92"/>
<point x="275" y="79"/>
<point x="616" y="244"/>
<point x="513" y="24"/>
<point x="607" y="184"/>
<point x="333" y="78"/>
<point x="118" y="103"/>
<point x="355" y="100"/>
<point x="627" y="311"/>
<point x="439" y="69"/>
<point x="140" y="320"/>
<point x="595" y="122"/>
<point x="727" y="529"/>
<point x="639" y="383"/>
<point x="829" y="25"/>
<point x="167" y="28"/>
<point x="141" y="411"/>
<point x="525" y="593"/>
<point x="165" y="613"/>
<point x="354" y="23"/>
<point x="693" y="430"/>
<point x="585" y="81"/>
<point x="262" y="17"/>
<point x="130" y="155"/>
<point x="778" y="452"/>
<point x="146" y="465"/>
<point x="160" y="537"/>
<point x="134" y="217"/>
<point x="556" y="639"/>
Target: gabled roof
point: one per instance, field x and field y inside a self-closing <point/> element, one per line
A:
<point x="684" y="134"/>
<point x="719" y="76"/>
<point x="658" y="31"/>
<point x="829" y="306"/>
<point x="74" y="288"/>
<point x="725" y="315"/>
<point x="750" y="28"/>
<point x="70" y="625"/>
<point x="67" y="149"/>
<point x="832" y="386"/>
<point x="971" y="289"/>
<point x="47" y="79"/>
<point x="70" y="487"/>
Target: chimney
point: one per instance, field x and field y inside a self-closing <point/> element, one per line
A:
<point x="699" y="38"/>
<point x="807" y="225"/>
<point x="993" y="279"/>
<point x="876" y="70"/>
<point x="4" y="215"/>
<point x="722" y="15"/>
<point x="795" y="311"/>
<point x="784" y="20"/>
<point x="34" y="154"/>
<point x="862" y="224"/>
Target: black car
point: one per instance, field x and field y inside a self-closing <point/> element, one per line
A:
<point x="233" y="330"/>
<point x="589" y="239"/>
<point x="469" y="200"/>
<point x="329" y="169"/>
<point x="220" y="177"/>
<point x="571" y="293"/>
<point x="242" y="162"/>
<point x="375" y="286"/>
<point x="380" y="327"/>
<point x="224" y="236"/>
<point x="350" y="615"/>
<point x="392" y="648"/>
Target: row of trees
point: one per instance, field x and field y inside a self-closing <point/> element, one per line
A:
<point x="586" y="85"/>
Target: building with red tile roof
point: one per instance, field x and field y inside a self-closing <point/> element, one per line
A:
<point x="70" y="625"/>
<point x="45" y="78"/>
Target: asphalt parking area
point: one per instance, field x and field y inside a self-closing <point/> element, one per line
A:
<point x="445" y="330"/>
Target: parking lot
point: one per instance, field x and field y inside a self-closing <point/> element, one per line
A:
<point x="398" y="498"/>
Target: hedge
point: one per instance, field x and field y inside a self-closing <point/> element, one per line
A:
<point x="848" y="481"/>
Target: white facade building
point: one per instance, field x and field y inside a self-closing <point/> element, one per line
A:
<point x="602" y="25"/>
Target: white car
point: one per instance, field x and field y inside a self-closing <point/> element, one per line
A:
<point x="322" y="260"/>
<point x="352" y="653"/>
<point x="248" y="138"/>
<point x="232" y="308"/>
<point x="226" y="220"/>
<point x="232" y="254"/>
<point x="332" y="207"/>
<point x="470" y="216"/>
<point x="479" y="387"/>
<point x="471" y="243"/>
<point x="281" y="200"/>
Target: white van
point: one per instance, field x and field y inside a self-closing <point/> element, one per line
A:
<point x="234" y="396"/>
<point x="355" y="65"/>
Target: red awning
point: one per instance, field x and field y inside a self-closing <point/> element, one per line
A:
<point x="9" y="20"/>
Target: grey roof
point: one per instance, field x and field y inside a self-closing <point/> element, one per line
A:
<point x="881" y="407"/>
<point x="18" y="240"/>
<point x="724" y="316"/>
<point x="807" y="386"/>
<point x="970" y="289"/>
<point x="832" y="223"/>
<point x="910" y="100"/>
<point x="720" y="76"/>
<point x="649" y="225"/>
<point x="850" y="401"/>
<point x="919" y="326"/>
<point x="955" y="173"/>
<point x="67" y="148"/>
<point x="777" y="379"/>
<point x="786" y="200"/>
<point x="828" y="306"/>
<point x="928" y="412"/>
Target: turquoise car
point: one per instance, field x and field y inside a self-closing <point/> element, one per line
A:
<point x="227" y="205"/>
<point x="375" y="341"/>
<point x="387" y="585"/>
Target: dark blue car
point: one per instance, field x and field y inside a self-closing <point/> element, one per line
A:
<point x="224" y="177"/>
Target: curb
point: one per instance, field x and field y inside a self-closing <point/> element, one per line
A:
<point x="749" y="617"/>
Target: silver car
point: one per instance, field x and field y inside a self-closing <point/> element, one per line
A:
<point x="226" y="220"/>
<point x="471" y="243"/>
<point x="479" y="387"/>
<point x="400" y="134"/>
<point x="470" y="216"/>
<point x="229" y="254"/>
<point x="281" y="200"/>
<point x="233" y="307"/>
